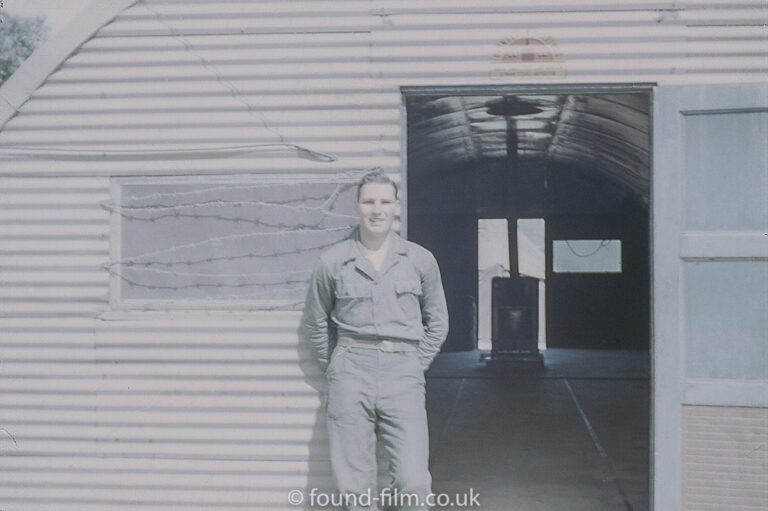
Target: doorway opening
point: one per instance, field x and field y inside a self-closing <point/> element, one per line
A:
<point x="550" y="185"/>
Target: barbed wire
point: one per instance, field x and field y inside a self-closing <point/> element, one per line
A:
<point x="242" y="187"/>
<point x="124" y="211"/>
<point x="133" y="261"/>
<point x="284" y="287"/>
<point x="221" y="279"/>
<point x="304" y="220"/>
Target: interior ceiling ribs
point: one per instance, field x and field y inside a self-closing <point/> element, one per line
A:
<point x="606" y="135"/>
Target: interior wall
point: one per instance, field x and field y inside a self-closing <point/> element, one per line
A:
<point x="597" y="310"/>
<point x="584" y="310"/>
<point x="444" y="204"/>
<point x="441" y="218"/>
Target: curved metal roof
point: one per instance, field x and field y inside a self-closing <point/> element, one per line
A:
<point x="53" y="52"/>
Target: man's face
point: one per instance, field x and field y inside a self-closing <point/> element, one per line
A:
<point x="377" y="207"/>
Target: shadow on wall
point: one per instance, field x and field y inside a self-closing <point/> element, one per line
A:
<point x="318" y="459"/>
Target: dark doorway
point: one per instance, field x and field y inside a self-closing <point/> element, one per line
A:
<point x="575" y="164"/>
<point x="579" y="160"/>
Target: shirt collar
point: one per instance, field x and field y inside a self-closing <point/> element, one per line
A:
<point x="355" y="253"/>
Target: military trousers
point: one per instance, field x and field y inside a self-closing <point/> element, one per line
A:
<point x="378" y="393"/>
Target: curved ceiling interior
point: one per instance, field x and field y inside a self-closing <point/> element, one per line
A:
<point x="604" y="136"/>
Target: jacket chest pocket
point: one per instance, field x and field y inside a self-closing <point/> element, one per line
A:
<point x="353" y="302"/>
<point x="408" y="295"/>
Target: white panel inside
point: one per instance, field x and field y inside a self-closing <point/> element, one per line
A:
<point x="530" y="247"/>
<point x="586" y="256"/>
<point x="493" y="261"/>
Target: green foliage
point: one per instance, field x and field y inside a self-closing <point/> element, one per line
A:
<point x="19" y="36"/>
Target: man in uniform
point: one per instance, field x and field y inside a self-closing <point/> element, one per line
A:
<point x="384" y="299"/>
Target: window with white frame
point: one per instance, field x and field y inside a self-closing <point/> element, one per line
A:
<point x="222" y="242"/>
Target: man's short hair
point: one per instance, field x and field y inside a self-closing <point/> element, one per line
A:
<point x="378" y="177"/>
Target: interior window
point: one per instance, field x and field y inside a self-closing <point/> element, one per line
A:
<point x="586" y="256"/>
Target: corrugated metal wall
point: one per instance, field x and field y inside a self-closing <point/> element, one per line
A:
<point x="158" y="414"/>
<point x="211" y="410"/>
<point x="55" y="237"/>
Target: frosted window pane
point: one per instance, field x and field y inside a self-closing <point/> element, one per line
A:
<point x="493" y="261"/>
<point x="198" y="241"/>
<point x="726" y="171"/>
<point x="726" y="319"/>
<point x="493" y="243"/>
<point x="530" y="247"/>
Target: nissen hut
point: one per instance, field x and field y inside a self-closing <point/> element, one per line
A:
<point x="591" y="175"/>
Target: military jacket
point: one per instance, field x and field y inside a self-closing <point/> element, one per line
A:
<point x="404" y="300"/>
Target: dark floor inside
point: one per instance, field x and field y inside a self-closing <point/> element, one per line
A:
<point x="573" y="436"/>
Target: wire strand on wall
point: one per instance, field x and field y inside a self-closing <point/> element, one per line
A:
<point x="191" y="243"/>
